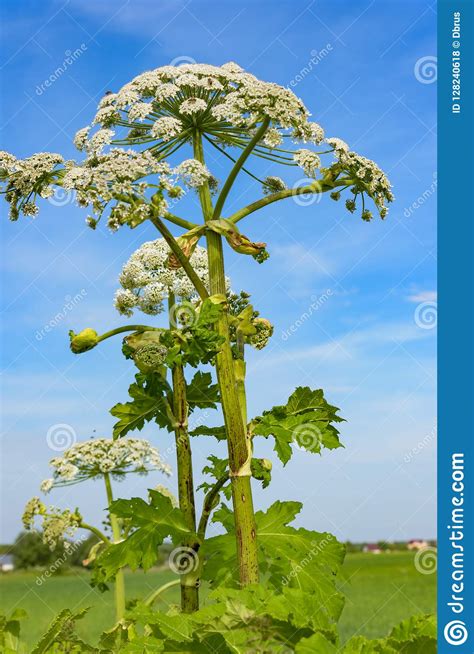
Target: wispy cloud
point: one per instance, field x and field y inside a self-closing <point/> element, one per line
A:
<point x="423" y="296"/>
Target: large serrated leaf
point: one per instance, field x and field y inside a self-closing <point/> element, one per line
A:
<point x="306" y="422"/>
<point x="290" y="559"/>
<point x="152" y="523"/>
<point x="201" y="392"/>
<point x="148" y="403"/>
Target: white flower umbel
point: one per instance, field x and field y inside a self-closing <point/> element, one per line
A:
<point x="307" y="160"/>
<point x="100" y="456"/>
<point x="161" y="110"/>
<point x="57" y="524"/>
<point x="224" y="102"/>
<point x="119" y="176"/>
<point x="193" y="173"/>
<point x="27" y="179"/>
<point x="147" y="280"/>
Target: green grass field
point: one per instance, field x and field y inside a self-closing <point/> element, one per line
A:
<point x="381" y="590"/>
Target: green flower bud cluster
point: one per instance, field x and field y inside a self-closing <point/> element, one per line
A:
<point x="246" y="321"/>
<point x="263" y="334"/>
<point x="150" y="357"/>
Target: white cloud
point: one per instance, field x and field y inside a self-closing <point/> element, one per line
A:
<point x="423" y="296"/>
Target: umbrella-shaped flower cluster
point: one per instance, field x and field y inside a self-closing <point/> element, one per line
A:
<point x="100" y="456"/>
<point x="147" y="279"/>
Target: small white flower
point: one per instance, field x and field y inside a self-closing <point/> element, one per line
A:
<point x="46" y="485"/>
<point x="166" y="128"/>
<point x="338" y="144"/>
<point x="80" y="139"/>
<point x="308" y="161"/>
<point x="192" y="106"/>
<point x="147" y="280"/>
<point x="193" y="172"/>
<point x="273" y="138"/>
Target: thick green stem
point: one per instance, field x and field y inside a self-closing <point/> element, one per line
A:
<point x="127" y="328"/>
<point x="189" y="582"/>
<point x="182" y="258"/>
<point x="117" y="537"/>
<point x="316" y="187"/>
<point x="238" y="441"/>
<point x="208" y="506"/>
<point x="237" y="167"/>
<point x="239" y="368"/>
<point x="95" y="531"/>
<point x="177" y="220"/>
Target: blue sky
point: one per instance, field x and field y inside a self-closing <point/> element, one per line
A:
<point x="370" y="283"/>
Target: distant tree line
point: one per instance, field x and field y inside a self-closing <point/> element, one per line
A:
<point x="29" y="551"/>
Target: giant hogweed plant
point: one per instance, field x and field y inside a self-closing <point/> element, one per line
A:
<point x="273" y="587"/>
<point x="96" y="459"/>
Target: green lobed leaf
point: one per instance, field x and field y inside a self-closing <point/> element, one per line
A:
<point x="201" y="392"/>
<point x="292" y="560"/>
<point x="152" y="523"/>
<point x="306" y="421"/>
<point x="61" y="631"/>
<point x="315" y="643"/>
<point x="148" y="403"/>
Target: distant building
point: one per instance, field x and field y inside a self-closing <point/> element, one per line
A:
<point x="373" y="548"/>
<point x="417" y="544"/>
<point x="6" y="563"/>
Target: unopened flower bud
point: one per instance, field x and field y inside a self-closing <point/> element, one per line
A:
<point x="84" y="341"/>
